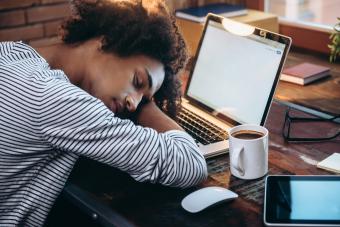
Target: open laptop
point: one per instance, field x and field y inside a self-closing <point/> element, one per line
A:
<point x="232" y="81"/>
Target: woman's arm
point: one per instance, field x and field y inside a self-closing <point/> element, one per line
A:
<point x="72" y="121"/>
<point x="151" y="116"/>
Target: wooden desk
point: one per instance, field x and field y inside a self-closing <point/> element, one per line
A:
<point x="111" y="196"/>
<point x="115" y="199"/>
<point x="323" y="95"/>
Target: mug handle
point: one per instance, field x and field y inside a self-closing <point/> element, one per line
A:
<point x="235" y="160"/>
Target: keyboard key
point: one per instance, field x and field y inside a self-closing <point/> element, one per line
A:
<point x="200" y="129"/>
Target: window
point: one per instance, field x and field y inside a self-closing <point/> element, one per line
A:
<point x="308" y="22"/>
<point x="312" y="13"/>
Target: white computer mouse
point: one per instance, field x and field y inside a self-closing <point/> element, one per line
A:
<point x="206" y="197"/>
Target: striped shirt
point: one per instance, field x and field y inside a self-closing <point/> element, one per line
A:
<point x="46" y="123"/>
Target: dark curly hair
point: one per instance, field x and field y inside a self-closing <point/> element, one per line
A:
<point x="130" y="27"/>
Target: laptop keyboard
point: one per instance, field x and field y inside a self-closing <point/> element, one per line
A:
<point x="201" y="130"/>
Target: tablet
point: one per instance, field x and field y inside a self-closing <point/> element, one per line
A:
<point x="302" y="201"/>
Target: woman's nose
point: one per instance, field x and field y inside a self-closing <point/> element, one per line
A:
<point x="132" y="101"/>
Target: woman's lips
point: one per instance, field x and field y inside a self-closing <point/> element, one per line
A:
<point x="116" y="107"/>
<point x="113" y="106"/>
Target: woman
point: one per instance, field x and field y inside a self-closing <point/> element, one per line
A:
<point x="60" y="102"/>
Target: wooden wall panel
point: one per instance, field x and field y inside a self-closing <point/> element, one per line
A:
<point x="307" y="38"/>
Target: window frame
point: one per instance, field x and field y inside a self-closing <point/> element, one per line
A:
<point x="300" y="33"/>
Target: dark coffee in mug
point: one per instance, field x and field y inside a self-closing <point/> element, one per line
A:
<point x="247" y="134"/>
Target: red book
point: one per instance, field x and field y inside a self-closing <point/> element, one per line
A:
<point x="304" y="73"/>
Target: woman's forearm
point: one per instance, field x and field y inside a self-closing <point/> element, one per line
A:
<point x="151" y="116"/>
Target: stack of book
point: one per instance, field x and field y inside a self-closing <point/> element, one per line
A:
<point x="198" y="14"/>
<point x="304" y="73"/>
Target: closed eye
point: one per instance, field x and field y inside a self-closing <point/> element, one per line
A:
<point x="137" y="81"/>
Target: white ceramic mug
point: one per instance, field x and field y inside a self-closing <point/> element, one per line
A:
<point x="248" y="155"/>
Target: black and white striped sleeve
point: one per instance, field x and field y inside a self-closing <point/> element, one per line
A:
<point x="73" y="121"/>
<point x="5" y="48"/>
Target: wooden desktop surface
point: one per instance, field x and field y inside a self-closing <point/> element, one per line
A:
<point x="145" y="204"/>
<point x="119" y="197"/>
<point x="322" y="95"/>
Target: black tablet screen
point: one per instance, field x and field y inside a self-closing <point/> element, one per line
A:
<point x="303" y="199"/>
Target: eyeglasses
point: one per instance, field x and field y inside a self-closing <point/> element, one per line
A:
<point x="289" y="120"/>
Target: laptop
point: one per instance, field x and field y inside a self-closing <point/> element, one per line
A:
<point x="232" y="81"/>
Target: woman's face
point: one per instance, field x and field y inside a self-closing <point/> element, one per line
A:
<point x="122" y="83"/>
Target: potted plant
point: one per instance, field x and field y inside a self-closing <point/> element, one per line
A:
<point x="335" y="42"/>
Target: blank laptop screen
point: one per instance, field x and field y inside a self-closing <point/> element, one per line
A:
<point x="234" y="75"/>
